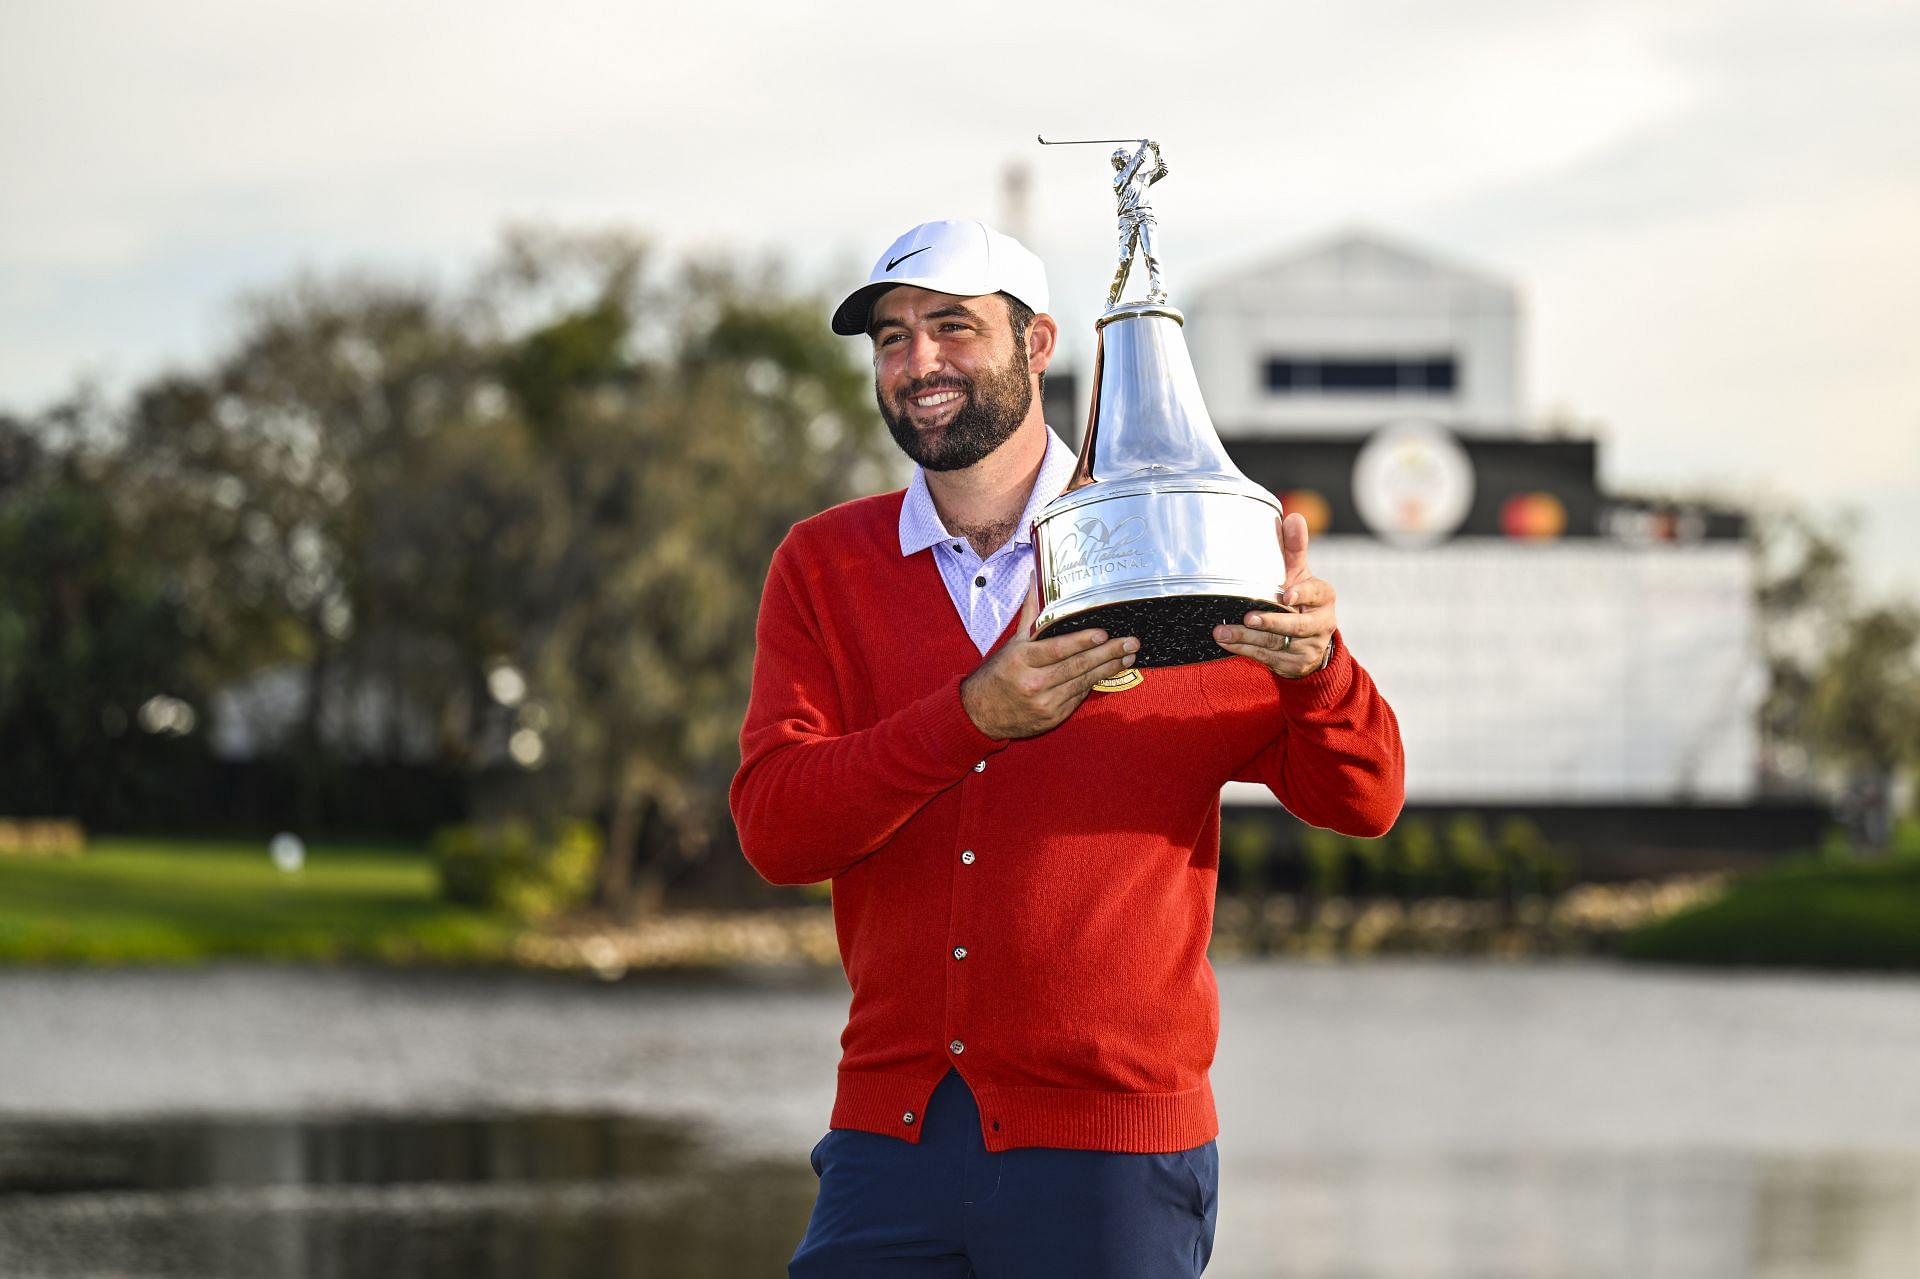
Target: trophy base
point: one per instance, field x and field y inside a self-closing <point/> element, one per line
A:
<point x="1173" y="630"/>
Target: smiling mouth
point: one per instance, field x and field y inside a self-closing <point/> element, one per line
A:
<point x="931" y="408"/>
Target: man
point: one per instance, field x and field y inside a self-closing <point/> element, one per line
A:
<point x="1131" y="179"/>
<point x="1023" y="868"/>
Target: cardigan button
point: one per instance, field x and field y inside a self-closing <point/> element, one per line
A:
<point x="959" y="952"/>
<point x="956" y="1048"/>
<point x="981" y="767"/>
<point x="907" y="1118"/>
<point x="967" y="858"/>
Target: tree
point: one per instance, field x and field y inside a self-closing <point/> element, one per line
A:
<point x="90" y="644"/>
<point x="259" y="479"/>
<point x="683" y="428"/>
<point x="1845" y="687"/>
<point x="534" y="514"/>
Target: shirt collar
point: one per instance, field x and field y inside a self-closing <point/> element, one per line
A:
<point x="920" y="524"/>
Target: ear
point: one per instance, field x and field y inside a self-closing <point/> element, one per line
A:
<point x="1042" y="335"/>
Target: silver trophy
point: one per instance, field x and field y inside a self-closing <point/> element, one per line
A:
<point x="1158" y="535"/>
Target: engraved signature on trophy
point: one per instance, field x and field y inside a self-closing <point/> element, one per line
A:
<point x="1093" y="550"/>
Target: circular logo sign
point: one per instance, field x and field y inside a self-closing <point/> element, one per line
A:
<point x="1413" y="483"/>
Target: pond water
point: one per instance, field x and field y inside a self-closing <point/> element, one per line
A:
<point x="572" y="1196"/>
<point x="1392" y="1119"/>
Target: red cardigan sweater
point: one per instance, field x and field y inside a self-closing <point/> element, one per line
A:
<point x="1033" y="913"/>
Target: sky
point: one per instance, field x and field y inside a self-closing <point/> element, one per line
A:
<point x="1712" y="210"/>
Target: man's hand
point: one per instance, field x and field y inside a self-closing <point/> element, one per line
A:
<point x="1294" y="641"/>
<point x="1030" y="685"/>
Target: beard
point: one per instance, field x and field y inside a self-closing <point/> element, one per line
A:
<point x="996" y="403"/>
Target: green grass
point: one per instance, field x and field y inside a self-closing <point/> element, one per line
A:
<point x="168" y="901"/>
<point x="1805" y="914"/>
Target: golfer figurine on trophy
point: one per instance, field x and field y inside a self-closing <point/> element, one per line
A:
<point x="1132" y="177"/>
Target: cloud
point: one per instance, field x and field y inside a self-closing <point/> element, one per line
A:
<point x="1705" y="202"/>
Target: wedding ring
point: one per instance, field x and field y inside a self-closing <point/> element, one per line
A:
<point x="1286" y="642"/>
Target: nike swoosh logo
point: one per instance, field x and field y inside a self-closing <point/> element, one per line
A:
<point x="904" y="256"/>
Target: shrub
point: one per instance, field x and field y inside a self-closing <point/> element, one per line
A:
<point x="1244" y="846"/>
<point x="1905" y="839"/>
<point x="1803" y="914"/>
<point x="1533" y="863"/>
<point x="1836" y="846"/>
<point x="1475" y="863"/>
<point x="1369" y="860"/>
<point x="509" y="867"/>
<point x="1414" y="850"/>
<point x="1325" y="854"/>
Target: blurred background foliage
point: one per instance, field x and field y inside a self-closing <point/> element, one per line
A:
<point x="1419" y="858"/>
<point x="485" y="552"/>
<point x="1843" y="688"/>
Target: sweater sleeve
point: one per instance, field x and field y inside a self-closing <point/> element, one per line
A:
<point x="812" y="798"/>
<point x="1337" y="761"/>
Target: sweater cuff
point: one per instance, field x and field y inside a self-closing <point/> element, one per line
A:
<point x="1324" y="688"/>
<point x="950" y="733"/>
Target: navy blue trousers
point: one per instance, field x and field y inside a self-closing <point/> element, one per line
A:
<point x="949" y="1209"/>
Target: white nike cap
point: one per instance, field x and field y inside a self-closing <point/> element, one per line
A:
<point x="963" y="258"/>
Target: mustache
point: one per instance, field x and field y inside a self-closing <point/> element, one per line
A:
<point x="939" y="382"/>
